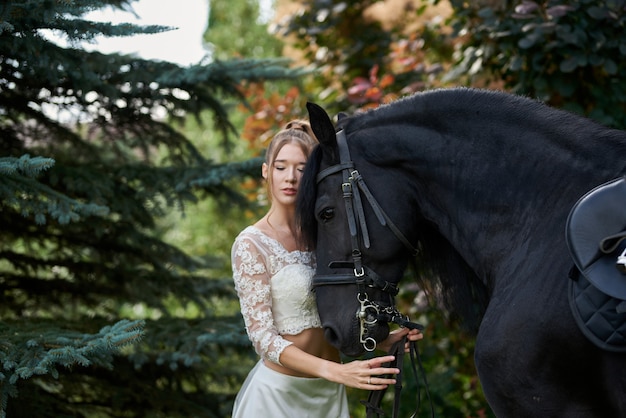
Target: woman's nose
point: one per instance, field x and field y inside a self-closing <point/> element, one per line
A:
<point x="292" y="177"/>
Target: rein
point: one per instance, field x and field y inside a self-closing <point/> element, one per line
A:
<point x="372" y="404"/>
<point x="369" y="312"/>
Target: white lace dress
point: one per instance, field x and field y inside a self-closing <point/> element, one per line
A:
<point x="274" y="289"/>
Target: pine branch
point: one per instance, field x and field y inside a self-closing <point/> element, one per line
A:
<point x="18" y="189"/>
<point x="24" y="354"/>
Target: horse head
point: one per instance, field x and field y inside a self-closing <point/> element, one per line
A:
<point x="355" y="219"/>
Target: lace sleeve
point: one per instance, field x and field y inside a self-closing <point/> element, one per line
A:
<point x="252" y="283"/>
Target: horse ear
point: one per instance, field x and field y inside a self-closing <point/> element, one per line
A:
<point x="323" y="129"/>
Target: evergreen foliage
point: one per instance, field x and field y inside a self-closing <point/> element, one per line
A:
<point x="96" y="306"/>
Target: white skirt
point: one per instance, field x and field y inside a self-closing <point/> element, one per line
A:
<point x="267" y="393"/>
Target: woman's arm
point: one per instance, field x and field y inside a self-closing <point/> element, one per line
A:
<point x="252" y="283"/>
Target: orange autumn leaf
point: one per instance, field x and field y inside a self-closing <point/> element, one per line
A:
<point x="386" y="81"/>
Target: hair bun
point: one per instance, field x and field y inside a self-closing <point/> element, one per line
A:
<point x="299" y="125"/>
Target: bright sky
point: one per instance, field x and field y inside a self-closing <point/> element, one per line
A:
<point x="183" y="46"/>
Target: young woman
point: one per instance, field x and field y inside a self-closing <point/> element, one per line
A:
<point x="299" y="373"/>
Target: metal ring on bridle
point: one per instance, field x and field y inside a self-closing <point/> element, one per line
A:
<point x="367" y="314"/>
<point x="369" y="344"/>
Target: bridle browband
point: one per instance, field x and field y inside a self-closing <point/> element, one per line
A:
<point x="369" y="312"/>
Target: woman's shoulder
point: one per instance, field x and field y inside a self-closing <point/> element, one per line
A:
<point x="248" y="231"/>
<point x="249" y="234"/>
<point x="252" y="235"/>
<point x="256" y="235"/>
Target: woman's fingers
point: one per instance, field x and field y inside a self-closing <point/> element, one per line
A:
<point x="382" y="371"/>
<point x="377" y="383"/>
<point x="376" y="369"/>
<point x="376" y="365"/>
<point x="378" y="361"/>
<point x="415" y="335"/>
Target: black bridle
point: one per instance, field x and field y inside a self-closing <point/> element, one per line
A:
<point x="369" y="312"/>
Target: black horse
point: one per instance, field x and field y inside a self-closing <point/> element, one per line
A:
<point x="481" y="182"/>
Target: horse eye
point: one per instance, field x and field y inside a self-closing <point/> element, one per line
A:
<point x="327" y="214"/>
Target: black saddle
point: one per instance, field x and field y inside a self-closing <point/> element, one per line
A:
<point x="596" y="237"/>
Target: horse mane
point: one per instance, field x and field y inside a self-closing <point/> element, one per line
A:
<point x="448" y="281"/>
<point x="470" y="102"/>
<point x="305" y="204"/>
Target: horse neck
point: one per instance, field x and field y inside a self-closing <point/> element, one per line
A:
<point x="499" y="180"/>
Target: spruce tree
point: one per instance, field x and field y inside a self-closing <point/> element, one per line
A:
<point x="94" y="319"/>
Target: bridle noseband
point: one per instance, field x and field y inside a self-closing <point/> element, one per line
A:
<point x="369" y="313"/>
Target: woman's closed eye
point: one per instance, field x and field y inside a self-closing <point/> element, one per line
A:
<point x="281" y="168"/>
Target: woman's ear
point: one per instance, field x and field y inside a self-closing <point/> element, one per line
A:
<point x="264" y="171"/>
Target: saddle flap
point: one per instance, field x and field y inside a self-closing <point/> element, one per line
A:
<point x="599" y="214"/>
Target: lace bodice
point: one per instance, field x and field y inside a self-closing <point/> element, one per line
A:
<point x="274" y="289"/>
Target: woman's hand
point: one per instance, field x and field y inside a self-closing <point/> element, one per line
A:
<point x="396" y="335"/>
<point x="365" y="374"/>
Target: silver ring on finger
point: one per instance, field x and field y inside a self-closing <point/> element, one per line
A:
<point x="369" y="380"/>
